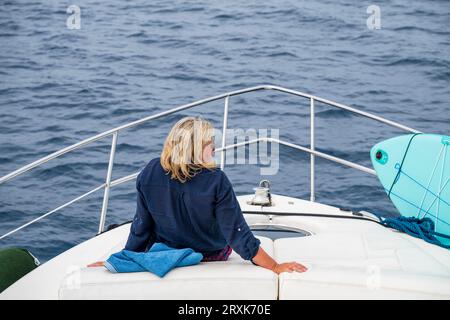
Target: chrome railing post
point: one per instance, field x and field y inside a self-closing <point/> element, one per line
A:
<point x="224" y="131"/>
<point x="312" y="195"/>
<point x="101" y="225"/>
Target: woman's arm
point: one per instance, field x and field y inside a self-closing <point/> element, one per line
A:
<point x="232" y="223"/>
<point x="262" y="259"/>
<point x="141" y="231"/>
<point x="239" y="236"/>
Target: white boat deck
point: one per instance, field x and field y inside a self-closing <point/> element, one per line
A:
<point x="348" y="256"/>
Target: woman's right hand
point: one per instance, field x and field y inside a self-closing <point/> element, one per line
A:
<point x="289" y="267"/>
<point x="264" y="260"/>
<point x="96" y="264"/>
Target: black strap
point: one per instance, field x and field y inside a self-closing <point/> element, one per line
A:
<point x="401" y="164"/>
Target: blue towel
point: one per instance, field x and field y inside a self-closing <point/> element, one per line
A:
<point x="159" y="260"/>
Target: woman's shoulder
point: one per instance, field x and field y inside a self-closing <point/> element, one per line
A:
<point x="215" y="173"/>
<point x="155" y="162"/>
<point x="218" y="175"/>
<point x="154" y="171"/>
<point x="152" y="166"/>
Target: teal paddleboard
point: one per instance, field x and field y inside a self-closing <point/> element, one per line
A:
<point x="414" y="170"/>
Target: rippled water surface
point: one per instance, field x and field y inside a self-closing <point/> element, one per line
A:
<point x="132" y="59"/>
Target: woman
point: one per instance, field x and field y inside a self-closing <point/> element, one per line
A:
<point x="185" y="201"/>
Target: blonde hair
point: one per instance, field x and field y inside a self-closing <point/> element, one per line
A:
<point x="183" y="149"/>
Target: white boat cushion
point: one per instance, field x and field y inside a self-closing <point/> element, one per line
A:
<point x="361" y="266"/>
<point x="325" y="282"/>
<point x="232" y="279"/>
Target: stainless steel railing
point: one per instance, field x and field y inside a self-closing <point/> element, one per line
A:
<point x="226" y="96"/>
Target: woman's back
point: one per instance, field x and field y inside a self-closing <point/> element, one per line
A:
<point x="201" y="213"/>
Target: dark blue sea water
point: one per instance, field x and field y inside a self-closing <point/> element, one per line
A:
<point x="131" y="59"/>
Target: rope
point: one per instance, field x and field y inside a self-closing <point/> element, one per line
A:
<point x="401" y="164"/>
<point x="419" y="228"/>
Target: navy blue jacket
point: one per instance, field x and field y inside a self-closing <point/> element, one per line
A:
<point x="202" y="213"/>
